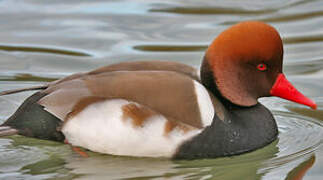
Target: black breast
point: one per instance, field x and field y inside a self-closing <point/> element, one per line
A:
<point x="242" y="130"/>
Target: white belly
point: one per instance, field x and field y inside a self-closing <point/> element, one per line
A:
<point x="100" y="128"/>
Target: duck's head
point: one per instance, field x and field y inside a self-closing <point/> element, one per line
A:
<point x="245" y="63"/>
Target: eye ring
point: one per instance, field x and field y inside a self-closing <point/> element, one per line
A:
<point x="262" y="67"/>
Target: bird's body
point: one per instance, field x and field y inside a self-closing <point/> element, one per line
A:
<point x="163" y="108"/>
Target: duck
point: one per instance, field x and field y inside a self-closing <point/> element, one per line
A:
<point x="165" y="108"/>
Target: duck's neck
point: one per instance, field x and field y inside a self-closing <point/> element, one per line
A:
<point x="207" y="79"/>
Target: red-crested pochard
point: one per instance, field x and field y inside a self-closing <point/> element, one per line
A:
<point x="162" y="108"/>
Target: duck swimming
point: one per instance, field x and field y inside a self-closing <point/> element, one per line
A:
<point x="166" y="109"/>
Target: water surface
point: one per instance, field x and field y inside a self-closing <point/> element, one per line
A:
<point x="41" y="41"/>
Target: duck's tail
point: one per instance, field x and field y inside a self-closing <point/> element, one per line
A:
<point x="23" y="89"/>
<point x="32" y="120"/>
<point x="7" y="131"/>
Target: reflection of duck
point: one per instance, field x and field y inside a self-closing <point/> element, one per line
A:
<point x="249" y="166"/>
<point x="299" y="171"/>
<point x="160" y="108"/>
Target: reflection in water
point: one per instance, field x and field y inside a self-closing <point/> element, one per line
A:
<point x="114" y="167"/>
<point x="299" y="68"/>
<point x="293" y="130"/>
<point x="42" y="50"/>
<point x="103" y="166"/>
<point x="212" y="10"/>
<point x="26" y="77"/>
<point x="293" y="17"/>
<point x="246" y="165"/>
<point x="236" y="8"/>
<point x="285" y="18"/>
<point x="170" y="48"/>
<point x="62" y="162"/>
<point x="50" y="165"/>
<point x="31" y="159"/>
<point x="298" y="172"/>
<point x="318" y="114"/>
<point x="303" y="39"/>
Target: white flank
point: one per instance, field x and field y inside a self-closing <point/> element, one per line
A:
<point x="100" y="128"/>
<point x="205" y="104"/>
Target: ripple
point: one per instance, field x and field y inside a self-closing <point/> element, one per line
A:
<point x="212" y="10"/>
<point x="294" y="17"/>
<point x="297" y="137"/>
<point x="26" y="77"/>
<point x="170" y="48"/>
<point x="42" y="50"/>
<point x="283" y="18"/>
<point x="29" y="158"/>
<point x="303" y="39"/>
<point x="317" y="114"/>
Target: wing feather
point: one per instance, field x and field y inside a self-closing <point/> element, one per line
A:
<point x="168" y="93"/>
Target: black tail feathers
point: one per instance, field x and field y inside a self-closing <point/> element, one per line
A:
<point x="33" y="121"/>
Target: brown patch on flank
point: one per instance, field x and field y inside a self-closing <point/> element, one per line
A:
<point x="171" y="125"/>
<point x="138" y="114"/>
<point x="82" y="104"/>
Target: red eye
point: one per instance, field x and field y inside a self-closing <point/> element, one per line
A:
<point x="262" y="67"/>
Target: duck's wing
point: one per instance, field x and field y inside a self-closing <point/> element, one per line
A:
<point x="140" y="66"/>
<point x="150" y="66"/>
<point x="173" y="95"/>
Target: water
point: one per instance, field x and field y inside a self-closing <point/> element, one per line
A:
<point x="44" y="40"/>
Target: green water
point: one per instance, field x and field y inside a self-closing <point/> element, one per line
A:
<point x="44" y="40"/>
